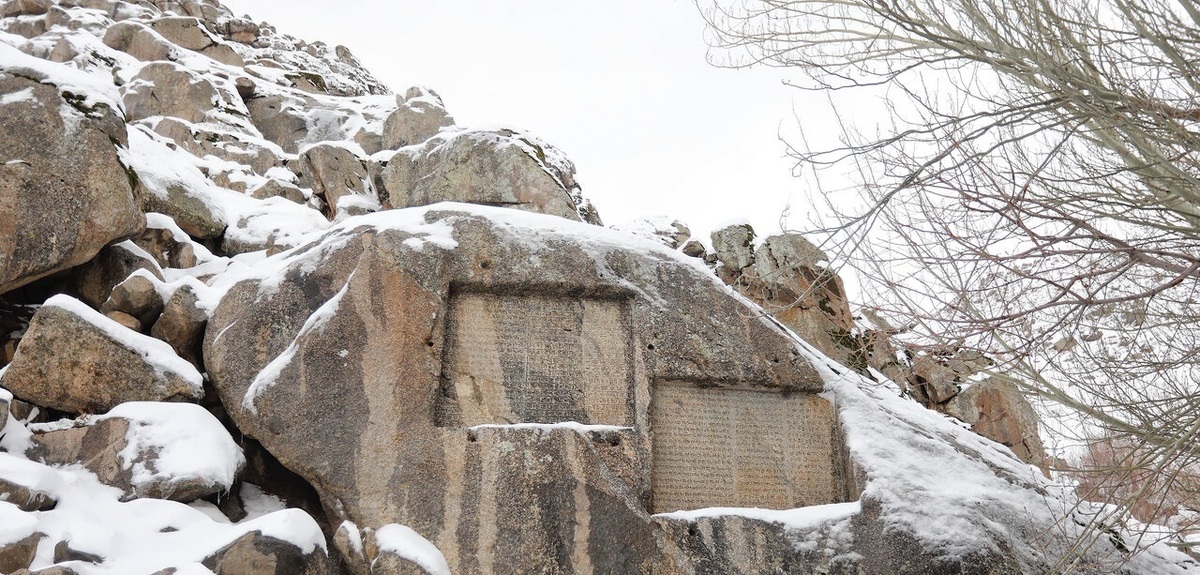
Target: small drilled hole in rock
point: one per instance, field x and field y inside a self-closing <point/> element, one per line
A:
<point x="485" y="264"/>
<point x="650" y="346"/>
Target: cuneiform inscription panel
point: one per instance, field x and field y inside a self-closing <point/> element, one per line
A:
<point x="717" y="447"/>
<point x="536" y="359"/>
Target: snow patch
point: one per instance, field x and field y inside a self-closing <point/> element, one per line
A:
<point x="404" y="542"/>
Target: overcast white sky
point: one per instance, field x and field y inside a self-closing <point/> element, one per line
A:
<point x="622" y="86"/>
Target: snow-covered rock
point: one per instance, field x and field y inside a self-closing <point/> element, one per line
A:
<point x="75" y="359"/>
<point x="420" y="116"/>
<point x="497" y="168"/>
<point x="481" y="390"/>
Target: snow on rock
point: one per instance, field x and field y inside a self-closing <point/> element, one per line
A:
<point x="75" y="359"/>
<point x="403" y="542"/>
<point x="176" y="447"/>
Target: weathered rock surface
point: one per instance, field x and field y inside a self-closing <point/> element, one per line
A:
<point x="335" y="342"/>
<point x="257" y="554"/>
<point x="94" y="281"/>
<point x="63" y="192"/>
<point x="335" y="174"/>
<point x="420" y="116"/>
<point x="998" y="411"/>
<point x="181" y="324"/>
<point x="501" y="168"/>
<point x="76" y="360"/>
<point x="178" y="452"/>
<point x="138" y="297"/>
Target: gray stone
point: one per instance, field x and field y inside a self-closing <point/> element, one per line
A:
<point x="415" y="354"/>
<point x="95" y="280"/>
<point x="334" y="173"/>
<point x="734" y="246"/>
<point x="420" y="116"/>
<point x="73" y="359"/>
<point x="257" y="554"/>
<point x="502" y="168"/>
<point x="64" y="194"/>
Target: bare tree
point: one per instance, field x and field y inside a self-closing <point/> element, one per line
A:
<point x="1037" y="197"/>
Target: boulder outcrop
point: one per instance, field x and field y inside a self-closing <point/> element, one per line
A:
<point x="428" y="357"/>
<point x="76" y="360"/>
<point x="64" y="193"/>
<point x="501" y="168"/>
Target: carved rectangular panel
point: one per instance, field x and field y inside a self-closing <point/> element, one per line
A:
<point x="716" y="447"/>
<point x="536" y="359"/>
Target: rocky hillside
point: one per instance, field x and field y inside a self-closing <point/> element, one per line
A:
<point x="259" y="315"/>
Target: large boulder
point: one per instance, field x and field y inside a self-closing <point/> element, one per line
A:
<point x="176" y="451"/>
<point x="500" y="168"/>
<point x="139" y="41"/>
<point x="338" y="176"/>
<point x="169" y="89"/>
<point x="64" y="194"/>
<point x="381" y="368"/>
<point x="191" y="33"/>
<point x="420" y="116"/>
<point x="76" y="360"/>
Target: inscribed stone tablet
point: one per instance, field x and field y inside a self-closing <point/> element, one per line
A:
<point x="716" y="447"/>
<point x="536" y="359"/>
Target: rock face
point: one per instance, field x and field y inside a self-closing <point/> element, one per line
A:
<point x="73" y="359"/>
<point x="428" y="357"/>
<point x="420" y="116"/>
<point x="63" y="192"/>
<point x="501" y="168"/>
<point x="339" y="177"/>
